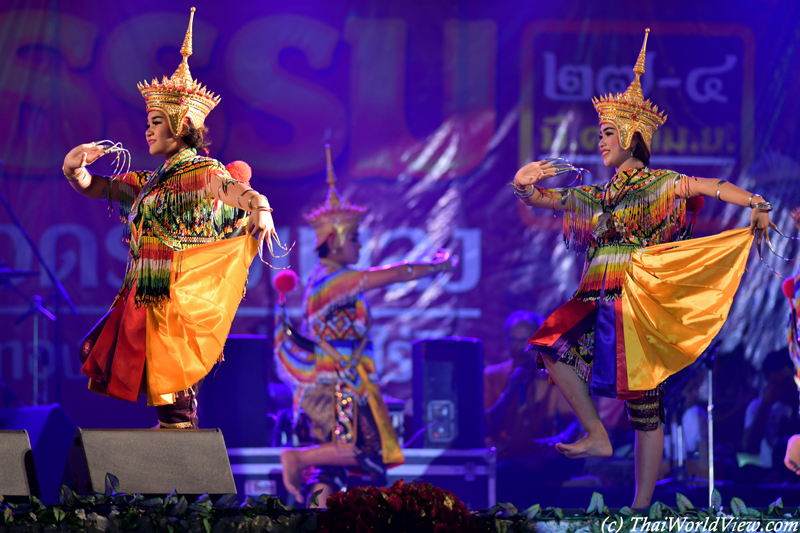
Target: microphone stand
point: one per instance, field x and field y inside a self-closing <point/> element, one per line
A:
<point x="60" y="293"/>
<point x="679" y="474"/>
<point x="36" y="309"/>
<point x="709" y="363"/>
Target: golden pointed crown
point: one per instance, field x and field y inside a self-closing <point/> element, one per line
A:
<point x="629" y="111"/>
<point x="180" y="96"/>
<point x="334" y="215"/>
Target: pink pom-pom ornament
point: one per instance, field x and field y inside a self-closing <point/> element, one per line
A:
<point x="788" y="288"/>
<point x="285" y="281"/>
<point x="240" y="171"/>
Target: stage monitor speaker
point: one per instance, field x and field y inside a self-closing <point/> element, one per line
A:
<point x="448" y="392"/>
<point x="150" y="461"/>
<point x="50" y="431"/>
<point x="17" y="473"/>
<point x="234" y="396"/>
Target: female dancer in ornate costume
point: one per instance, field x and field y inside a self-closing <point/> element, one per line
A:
<point x="158" y="339"/>
<point x="643" y="309"/>
<point x="333" y="371"/>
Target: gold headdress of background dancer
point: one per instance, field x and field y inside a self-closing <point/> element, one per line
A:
<point x="629" y="111"/>
<point x="180" y="96"/>
<point x="334" y="215"/>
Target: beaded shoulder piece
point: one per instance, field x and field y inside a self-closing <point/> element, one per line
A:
<point x="640" y="209"/>
<point x="167" y="210"/>
<point x="643" y="200"/>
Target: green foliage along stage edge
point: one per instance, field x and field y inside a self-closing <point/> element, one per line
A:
<point x="418" y="507"/>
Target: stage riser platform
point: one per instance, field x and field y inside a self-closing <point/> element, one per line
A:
<point x="469" y="474"/>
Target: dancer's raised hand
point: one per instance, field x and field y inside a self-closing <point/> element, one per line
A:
<point x="534" y="172"/>
<point x="443" y="261"/>
<point x="81" y="156"/>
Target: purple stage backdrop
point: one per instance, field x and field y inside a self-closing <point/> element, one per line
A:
<point x="430" y="107"/>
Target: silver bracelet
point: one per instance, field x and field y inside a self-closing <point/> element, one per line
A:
<point x="750" y="200"/>
<point x="719" y="183"/>
<point x="239" y="199"/>
<point x="521" y="194"/>
<point x="256" y="195"/>
<point x="763" y="207"/>
<point x="75" y="177"/>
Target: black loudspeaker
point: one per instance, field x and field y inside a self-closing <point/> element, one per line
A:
<point x="150" y="461"/>
<point x="234" y="396"/>
<point x="50" y="431"/>
<point x="18" y="473"/>
<point x="448" y="392"/>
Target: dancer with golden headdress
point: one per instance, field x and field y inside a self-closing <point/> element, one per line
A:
<point x="650" y="300"/>
<point x="168" y="325"/>
<point x="331" y="367"/>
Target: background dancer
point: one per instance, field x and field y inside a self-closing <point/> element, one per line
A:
<point x="335" y="381"/>
<point x="591" y="343"/>
<point x="145" y="344"/>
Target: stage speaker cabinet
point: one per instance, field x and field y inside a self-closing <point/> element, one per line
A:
<point x="150" y="461"/>
<point x="50" y="432"/>
<point x="234" y="398"/>
<point x="17" y="471"/>
<point x="448" y="392"/>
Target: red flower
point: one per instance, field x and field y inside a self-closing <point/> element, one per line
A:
<point x="395" y="502"/>
<point x="358" y="504"/>
<point x="409" y="507"/>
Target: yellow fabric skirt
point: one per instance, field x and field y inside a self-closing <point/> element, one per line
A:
<point x="186" y="335"/>
<point x="676" y="298"/>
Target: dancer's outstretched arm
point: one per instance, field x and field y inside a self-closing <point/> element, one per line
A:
<point x="726" y="191"/>
<point x="406" y="271"/>
<point x="237" y="194"/>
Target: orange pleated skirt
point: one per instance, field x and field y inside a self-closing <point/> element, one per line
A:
<point x="159" y="351"/>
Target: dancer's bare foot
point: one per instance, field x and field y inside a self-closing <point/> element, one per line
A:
<point x="589" y="446"/>
<point x="292" y="473"/>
